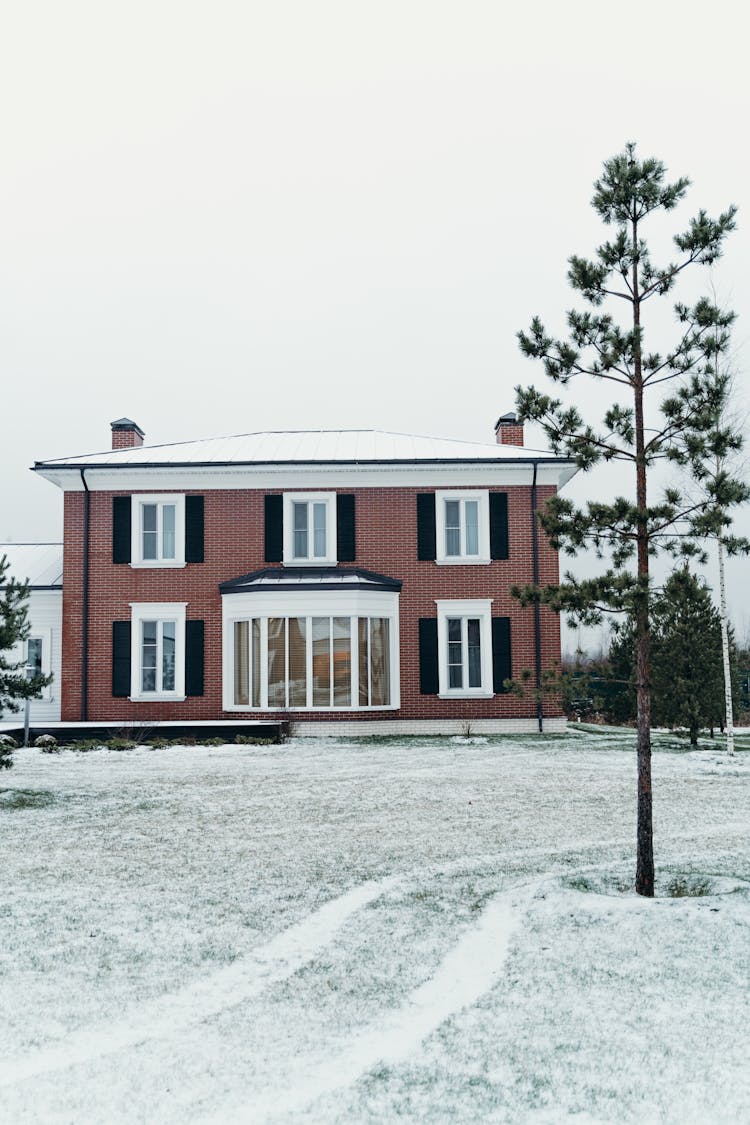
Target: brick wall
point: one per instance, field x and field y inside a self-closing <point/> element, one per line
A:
<point x="386" y="524"/>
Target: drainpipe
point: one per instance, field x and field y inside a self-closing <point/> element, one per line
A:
<point x="85" y="607"/>
<point x="537" y="608"/>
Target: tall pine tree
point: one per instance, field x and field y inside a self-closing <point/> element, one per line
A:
<point x="629" y="529"/>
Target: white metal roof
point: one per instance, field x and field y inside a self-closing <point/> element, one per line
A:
<point x="39" y="564"/>
<point x="303" y="447"/>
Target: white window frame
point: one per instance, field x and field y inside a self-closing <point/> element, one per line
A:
<point x="262" y="605"/>
<point x="482" y="497"/>
<point x="157" y="611"/>
<point x="327" y="498"/>
<point x="138" y="500"/>
<point x="480" y="608"/>
<point x="45" y="636"/>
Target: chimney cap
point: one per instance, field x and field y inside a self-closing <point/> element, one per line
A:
<point x="507" y="420"/>
<point x="126" y="424"/>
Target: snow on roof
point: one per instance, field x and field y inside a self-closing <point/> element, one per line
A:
<point x="39" y="564"/>
<point x="303" y="447"/>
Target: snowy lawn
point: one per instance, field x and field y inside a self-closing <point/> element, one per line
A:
<point x="332" y="931"/>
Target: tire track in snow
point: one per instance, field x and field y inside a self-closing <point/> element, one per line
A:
<point x="466" y="973"/>
<point x="244" y="979"/>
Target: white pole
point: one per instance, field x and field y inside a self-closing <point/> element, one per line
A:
<point x="725" y="650"/>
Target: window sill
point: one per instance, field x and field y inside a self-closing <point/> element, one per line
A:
<point x="157" y="565"/>
<point x="470" y="694"/>
<point x="312" y="710"/>
<point x="157" y="697"/>
<point x="310" y="562"/>
<point x="463" y="562"/>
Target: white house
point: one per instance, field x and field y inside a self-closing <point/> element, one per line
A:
<point x="41" y="565"/>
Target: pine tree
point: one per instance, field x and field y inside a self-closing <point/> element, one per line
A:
<point x="630" y="530"/>
<point x="14" y="628"/>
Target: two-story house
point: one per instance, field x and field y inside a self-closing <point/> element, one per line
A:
<point x="351" y="581"/>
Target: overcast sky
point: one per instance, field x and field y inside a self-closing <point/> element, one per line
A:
<point x="226" y="217"/>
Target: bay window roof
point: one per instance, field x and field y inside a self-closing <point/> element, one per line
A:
<point x="290" y="578"/>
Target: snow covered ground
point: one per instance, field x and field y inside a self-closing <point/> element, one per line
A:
<point x="427" y="930"/>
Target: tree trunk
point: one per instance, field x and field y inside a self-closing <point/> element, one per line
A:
<point x="644" y="870"/>
<point x="725" y="651"/>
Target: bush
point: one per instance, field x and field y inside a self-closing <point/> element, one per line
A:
<point x="213" y="742"/>
<point x="47" y="743"/>
<point x="85" y="745"/>
<point x="120" y="744"/>
<point x="7" y="746"/>
<point x="251" y="740"/>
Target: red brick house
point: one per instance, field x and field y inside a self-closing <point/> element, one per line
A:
<point x="347" y="580"/>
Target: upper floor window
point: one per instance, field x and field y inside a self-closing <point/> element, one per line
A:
<point x="462" y="527"/>
<point x="310" y="528"/>
<point x="158" y="530"/>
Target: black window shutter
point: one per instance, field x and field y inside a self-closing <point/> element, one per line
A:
<point x="346" y="538"/>
<point x="428" y="655"/>
<point x="120" y="659"/>
<point x="194" y="529"/>
<point x="426" y="540"/>
<point x="274" y="529"/>
<point x="194" y="631"/>
<point x="498" y="525"/>
<point x="121" y="509"/>
<point x="501" y="663"/>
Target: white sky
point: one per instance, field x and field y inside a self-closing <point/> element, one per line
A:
<point x="226" y="217"/>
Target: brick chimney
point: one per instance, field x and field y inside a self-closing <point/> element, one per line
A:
<point x="508" y="430"/>
<point x="126" y="434"/>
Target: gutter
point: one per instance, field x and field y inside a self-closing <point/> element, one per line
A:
<point x="537" y="607"/>
<point x="85" y="608"/>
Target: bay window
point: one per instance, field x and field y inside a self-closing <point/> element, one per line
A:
<point x="313" y="649"/>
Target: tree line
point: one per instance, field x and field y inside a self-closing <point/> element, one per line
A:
<point x="687" y="677"/>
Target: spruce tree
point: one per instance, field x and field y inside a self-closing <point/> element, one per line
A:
<point x="14" y="629"/>
<point x="629" y="530"/>
<point x="688" y="681"/>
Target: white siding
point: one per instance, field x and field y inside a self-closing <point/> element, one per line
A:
<point x="45" y="618"/>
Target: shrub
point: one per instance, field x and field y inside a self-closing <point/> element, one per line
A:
<point x="85" y="745"/>
<point x="47" y="743"/>
<point x="120" y="744"/>
<point x="7" y="746"/>
<point x="251" y="740"/>
<point x="213" y="742"/>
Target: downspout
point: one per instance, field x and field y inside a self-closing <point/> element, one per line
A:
<point x="537" y="608"/>
<point x="85" y="607"/>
